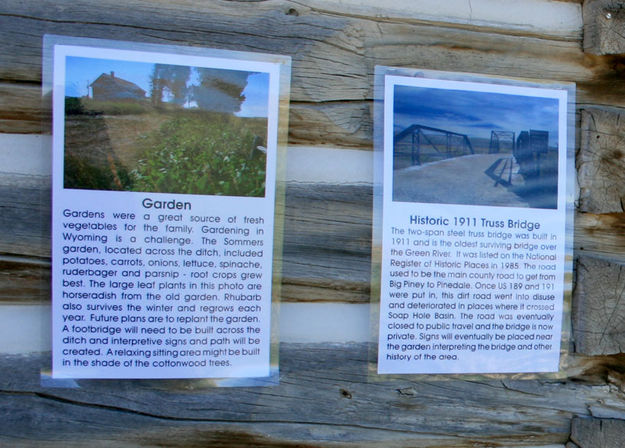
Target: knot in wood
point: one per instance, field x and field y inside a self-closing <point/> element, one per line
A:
<point x="407" y="391"/>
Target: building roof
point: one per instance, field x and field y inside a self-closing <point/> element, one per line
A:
<point x="111" y="80"/>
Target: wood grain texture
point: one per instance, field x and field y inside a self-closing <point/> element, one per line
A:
<point x="24" y="238"/>
<point x="601" y="235"/>
<point x="604" y="26"/>
<point x="601" y="161"/>
<point x="327" y="243"/>
<point x="599" y="307"/>
<point x="334" y="53"/>
<point x="340" y="123"/>
<point x="530" y="17"/>
<point x="21" y="109"/>
<point x="331" y="40"/>
<point x="598" y="433"/>
<point x="24" y="279"/>
<point x="324" y="399"/>
<point x="25" y="203"/>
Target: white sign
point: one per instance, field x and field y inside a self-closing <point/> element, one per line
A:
<point x="474" y="209"/>
<point x="164" y="174"/>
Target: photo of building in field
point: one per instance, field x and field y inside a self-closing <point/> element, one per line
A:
<point x="153" y="127"/>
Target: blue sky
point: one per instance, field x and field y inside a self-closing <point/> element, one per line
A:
<point x="80" y="72"/>
<point x="474" y="113"/>
<point x="256" y="96"/>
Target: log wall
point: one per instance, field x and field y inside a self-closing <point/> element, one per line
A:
<point x="325" y="397"/>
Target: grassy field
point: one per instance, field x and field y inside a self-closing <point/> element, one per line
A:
<point x="173" y="151"/>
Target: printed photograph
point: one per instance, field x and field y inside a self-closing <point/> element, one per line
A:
<point x="474" y="148"/>
<point x="147" y="127"/>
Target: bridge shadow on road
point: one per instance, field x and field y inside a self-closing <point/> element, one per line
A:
<point x="538" y="190"/>
<point x="477" y="179"/>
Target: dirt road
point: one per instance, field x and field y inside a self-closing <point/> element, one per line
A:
<point x="471" y="180"/>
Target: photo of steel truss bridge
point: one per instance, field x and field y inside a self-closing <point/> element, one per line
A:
<point x="474" y="148"/>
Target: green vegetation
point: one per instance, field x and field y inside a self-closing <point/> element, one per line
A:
<point x="191" y="152"/>
<point x="84" y="175"/>
<point x="74" y="106"/>
<point x="196" y="156"/>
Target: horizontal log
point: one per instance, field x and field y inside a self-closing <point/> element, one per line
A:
<point x="601" y="161"/>
<point x="334" y="54"/>
<point x="342" y="124"/>
<point x="325" y="398"/>
<point x="327" y="242"/>
<point x="333" y="32"/>
<point x="24" y="279"/>
<point x="21" y="109"/>
<point x="25" y="202"/>
<point x="604" y="22"/>
<point x="527" y="17"/>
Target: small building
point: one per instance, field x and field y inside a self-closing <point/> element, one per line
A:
<point x="107" y="87"/>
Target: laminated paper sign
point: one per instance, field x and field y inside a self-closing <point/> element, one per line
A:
<point x="471" y="223"/>
<point x="164" y="188"/>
